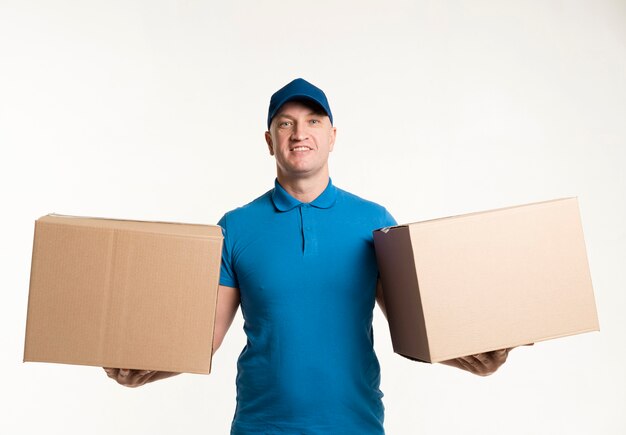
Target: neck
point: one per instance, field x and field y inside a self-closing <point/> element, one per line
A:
<point x="304" y="189"/>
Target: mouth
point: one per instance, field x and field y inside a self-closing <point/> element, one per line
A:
<point x="299" y="149"/>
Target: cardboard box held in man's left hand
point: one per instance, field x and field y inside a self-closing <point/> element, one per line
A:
<point x="125" y="294"/>
<point x="478" y="282"/>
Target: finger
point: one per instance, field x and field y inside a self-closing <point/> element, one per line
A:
<point x="145" y="375"/>
<point x="481" y="360"/>
<point x="127" y="378"/>
<point x="500" y="354"/>
<point x="487" y="363"/>
<point x="466" y="365"/>
<point x="494" y="359"/>
<point x="135" y="378"/>
<point x="112" y="373"/>
<point x="477" y="366"/>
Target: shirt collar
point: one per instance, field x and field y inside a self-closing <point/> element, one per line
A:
<point x="283" y="201"/>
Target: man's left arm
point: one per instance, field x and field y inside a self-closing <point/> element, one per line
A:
<point x="482" y="364"/>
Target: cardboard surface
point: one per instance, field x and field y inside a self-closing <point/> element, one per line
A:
<point x="127" y="294"/>
<point x="473" y="283"/>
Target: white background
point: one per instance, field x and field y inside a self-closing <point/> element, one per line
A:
<point x="156" y="110"/>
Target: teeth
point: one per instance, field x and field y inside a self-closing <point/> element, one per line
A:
<point x="300" y="149"/>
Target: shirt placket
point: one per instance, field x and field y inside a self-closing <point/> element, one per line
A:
<point x="309" y="239"/>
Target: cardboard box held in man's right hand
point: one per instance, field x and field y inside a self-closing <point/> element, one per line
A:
<point x="123" y="293"/>
<point x="483" y="281"/>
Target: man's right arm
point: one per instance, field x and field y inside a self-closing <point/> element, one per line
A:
<point x="228" y="300"/>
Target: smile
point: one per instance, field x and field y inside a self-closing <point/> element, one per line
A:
<point x="300" y="148"/>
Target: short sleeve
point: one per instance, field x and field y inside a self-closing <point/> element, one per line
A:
<point x="388" y="219"/>
<point x="228" y="277"/>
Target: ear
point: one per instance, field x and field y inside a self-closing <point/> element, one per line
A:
<point x="270" y="145"/>
<point x="333" y="135"/>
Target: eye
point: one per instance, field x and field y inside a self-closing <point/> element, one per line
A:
<point x="284" y="124"/>
<point x="314" y="121"/>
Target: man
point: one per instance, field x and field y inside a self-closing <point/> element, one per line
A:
<point x="300" y="261"/>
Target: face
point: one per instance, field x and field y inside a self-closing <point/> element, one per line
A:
<point x="300" y="140"/>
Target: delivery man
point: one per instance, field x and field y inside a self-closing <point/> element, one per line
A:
<point x="300" y="261"/>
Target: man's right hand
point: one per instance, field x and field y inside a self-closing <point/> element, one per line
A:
<point x="136" y="378"/>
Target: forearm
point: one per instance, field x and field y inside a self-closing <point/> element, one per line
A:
<point x="227" y="304"/>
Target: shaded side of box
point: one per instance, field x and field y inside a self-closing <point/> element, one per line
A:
<point x="405" y="313"/>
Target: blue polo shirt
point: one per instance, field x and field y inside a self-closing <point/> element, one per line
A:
<point x="307" y="277"/>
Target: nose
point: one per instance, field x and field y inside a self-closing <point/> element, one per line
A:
<point x="299" y="132"/>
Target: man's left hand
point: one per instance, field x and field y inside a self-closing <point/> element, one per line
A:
<point x="482" y="364"/>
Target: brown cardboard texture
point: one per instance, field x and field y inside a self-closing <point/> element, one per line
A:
<point x="118" y="293"/>
<point x="474" y="283"/>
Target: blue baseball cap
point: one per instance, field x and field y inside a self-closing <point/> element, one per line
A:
<point x="297" y="90"/>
